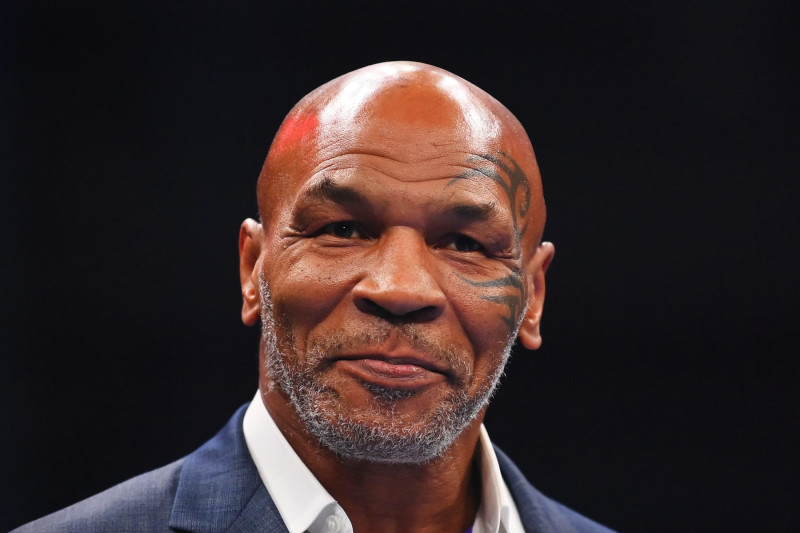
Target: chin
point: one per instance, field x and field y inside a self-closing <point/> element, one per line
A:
<point x="393" y="429"/>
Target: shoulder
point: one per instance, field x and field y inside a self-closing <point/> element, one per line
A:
<point x="538" y="512"/>
<point x="143" y="503"/>
<point x="209" y="490"/>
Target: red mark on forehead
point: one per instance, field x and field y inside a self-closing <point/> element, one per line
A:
<point x="294" y="130"/>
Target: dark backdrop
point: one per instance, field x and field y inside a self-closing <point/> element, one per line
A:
<point x="665" y="396"/>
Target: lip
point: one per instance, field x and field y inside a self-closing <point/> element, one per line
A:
<point x="402" y="372"/>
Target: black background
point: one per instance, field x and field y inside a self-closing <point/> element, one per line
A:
<point x="665" y="396"/>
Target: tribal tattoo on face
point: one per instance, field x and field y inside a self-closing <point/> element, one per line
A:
<point x="504" y="171"/>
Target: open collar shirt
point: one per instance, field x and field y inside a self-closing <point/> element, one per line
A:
<point x="306" y="506"/>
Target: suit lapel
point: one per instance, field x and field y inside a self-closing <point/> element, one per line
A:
<point x="220" y="489"/>
<point x="260" y="514"/>
<point x="539" y="513"/>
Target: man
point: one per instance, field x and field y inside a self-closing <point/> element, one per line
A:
<point x="397" y="259"/>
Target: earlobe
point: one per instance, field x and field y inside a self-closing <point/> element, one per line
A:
<point x="529" y="334"/>
<point x="529" y="331"/>
<point x="251" y="237"/>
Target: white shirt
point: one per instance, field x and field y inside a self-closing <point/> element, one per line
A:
<point x="305" y="505"/>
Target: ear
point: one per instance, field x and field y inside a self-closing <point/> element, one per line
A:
<point x="529" y="333"/>
<point x="251" y="242"/>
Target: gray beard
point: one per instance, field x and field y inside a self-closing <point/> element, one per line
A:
<point x="358" y="436"/>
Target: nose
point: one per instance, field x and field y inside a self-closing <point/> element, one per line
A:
<point x="399" y="281"/>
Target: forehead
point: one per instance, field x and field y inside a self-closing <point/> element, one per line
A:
<point x="393" y="137"/>
<point x="426" y="161"/>
<point x="406" y="151"/>
<point x="409" y="161"/>
<point x="389" y="136"/>
<point x="413" y="131"/>
<point x="389" y="186"/>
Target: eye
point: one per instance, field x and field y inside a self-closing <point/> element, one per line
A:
<point x="462" y="243"/>
<point x="341" y="229"/>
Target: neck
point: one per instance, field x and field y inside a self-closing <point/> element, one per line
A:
<point x="442" y="495"/>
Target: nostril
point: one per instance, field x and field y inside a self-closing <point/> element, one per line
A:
<point x="424" y="314"/>
<point x="397" y="314"/>
<point x="366" y="305"/>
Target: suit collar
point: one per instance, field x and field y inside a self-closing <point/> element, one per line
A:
<point x="220" y="490"/>
<point x="538" y="512"/>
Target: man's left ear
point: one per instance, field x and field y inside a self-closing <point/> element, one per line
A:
<point x="529" y="333"/>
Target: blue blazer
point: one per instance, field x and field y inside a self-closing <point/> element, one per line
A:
<point x="217" y="488"/>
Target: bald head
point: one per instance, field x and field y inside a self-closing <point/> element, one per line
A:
<point x="416" y="110"/>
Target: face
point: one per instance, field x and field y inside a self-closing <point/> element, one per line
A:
<point x="394" y="276"/>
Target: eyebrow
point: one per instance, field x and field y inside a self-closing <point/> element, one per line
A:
<point x="474" y="212"/>
<point x="327" y="190"/>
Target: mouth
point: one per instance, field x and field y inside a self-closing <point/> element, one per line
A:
<point x="402" y="372"/>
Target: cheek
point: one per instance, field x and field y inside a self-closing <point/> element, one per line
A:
<point x="305" y="292"/>
<point x="485" y="306"/>
<point x="483" y="318"/>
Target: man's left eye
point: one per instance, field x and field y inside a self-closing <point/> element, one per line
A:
<point x="341" y="229"/>
<point x="462" y="243"/>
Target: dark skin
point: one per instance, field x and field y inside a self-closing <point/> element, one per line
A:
<point x="396" y="198"/>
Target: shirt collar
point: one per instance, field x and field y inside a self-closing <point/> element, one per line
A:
<point x="305" y="505"/>
<point x="297" y="494"/>
<point x="497" y="513"/>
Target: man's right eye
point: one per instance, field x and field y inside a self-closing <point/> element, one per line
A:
<point x="342" y="230"/>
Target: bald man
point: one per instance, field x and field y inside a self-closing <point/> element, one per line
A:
<point x="397" y="258"/>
